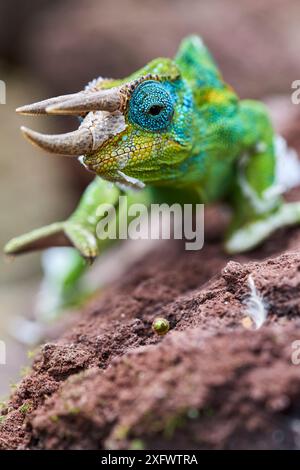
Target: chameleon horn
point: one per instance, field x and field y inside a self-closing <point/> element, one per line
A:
<point x="73" y="143"/>
<point x="40" y="106"/>
<point x="103" y="100"/>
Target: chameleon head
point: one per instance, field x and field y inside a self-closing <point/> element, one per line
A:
<point x="132" y="132"/>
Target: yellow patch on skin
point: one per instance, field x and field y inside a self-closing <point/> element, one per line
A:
<point x="215" y="96"/>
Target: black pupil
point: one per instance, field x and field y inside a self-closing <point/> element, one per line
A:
<point x="155" y="110"/>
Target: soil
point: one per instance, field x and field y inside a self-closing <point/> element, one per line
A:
<point x="213" y="381"/>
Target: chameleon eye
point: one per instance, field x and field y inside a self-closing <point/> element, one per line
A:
<point x="155" y="110"/>
<point x="151" y="106"/>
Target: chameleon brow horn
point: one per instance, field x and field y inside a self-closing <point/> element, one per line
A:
<point x="79" y="104"/>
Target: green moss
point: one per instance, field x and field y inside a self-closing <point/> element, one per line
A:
<point x="121" y="432"/>
<point x="31" y="353"/>
<point x="74" y="410"/>
<point x="2" y="419"/>
<point x="25" y="371"/>
<point x="3" y="404"/>
<point x="179" y="420"/>
<point x="54" y="418"/>
<point x="25" y="408"/>
<point x="172" y="424"/>
<point x="137" y="444"/>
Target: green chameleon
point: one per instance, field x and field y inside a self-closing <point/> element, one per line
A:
<point x="175" y="131"/>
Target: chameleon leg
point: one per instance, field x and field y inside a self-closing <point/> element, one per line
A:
<point x="258" y="208"/>
<point x="250" y="235"/>
<point x="64" y="267"/>
<point x="257" y="205"/>
<point x="77" y="231"/>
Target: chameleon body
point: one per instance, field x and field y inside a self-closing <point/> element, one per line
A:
<point x="175" y="131"/>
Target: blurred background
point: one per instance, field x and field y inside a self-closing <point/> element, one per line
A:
<point x="56" y="47"/>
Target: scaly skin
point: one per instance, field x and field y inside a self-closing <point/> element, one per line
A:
<point x="203" y="144"/>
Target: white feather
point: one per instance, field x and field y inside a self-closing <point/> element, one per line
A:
<point x="255" y="305"/>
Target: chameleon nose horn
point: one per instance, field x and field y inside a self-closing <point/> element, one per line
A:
<point x="78" y="104"/>
<point x="72" y="143"/>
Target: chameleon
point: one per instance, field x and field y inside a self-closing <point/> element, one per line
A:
<point x="174" y="131"/>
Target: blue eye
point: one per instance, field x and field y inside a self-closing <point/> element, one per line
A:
<point x="151" y="106"/>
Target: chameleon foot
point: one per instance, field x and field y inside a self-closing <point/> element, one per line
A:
<point x="58" y="234"/>
<point x="252" y="234"/>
